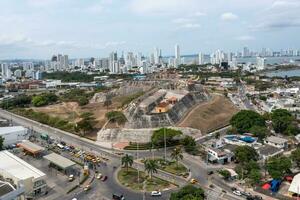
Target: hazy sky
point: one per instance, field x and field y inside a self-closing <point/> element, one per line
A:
<point x="84" y="28"/>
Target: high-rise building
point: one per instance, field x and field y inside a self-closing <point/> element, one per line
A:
<point x="261" y="63"/>
<point x="177" y="56"/>
<point x="6" y="72"/>
<point x="246" y="52"/>
<point x="156" y="56"/>
<point x="201" y="59"/>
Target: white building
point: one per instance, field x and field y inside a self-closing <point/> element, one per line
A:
<point x="13" y="134"/>
<point x="201" y="59"/>
<point x="261" y="63"/>
<point x="22" y="174"/>
<point x="277" y="142"/>
<point x="177" y="60"/>
<point x="18" y="73"/>
<point x="294" y="188"/>
<point x="6" y="73"/>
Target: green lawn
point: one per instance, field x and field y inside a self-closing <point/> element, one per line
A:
<point x="172" y="167"/>
<point x="130" y="179"/>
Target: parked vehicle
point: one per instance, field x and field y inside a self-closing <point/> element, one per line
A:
<point x="87" y="187"/>
<point x="71" y="177"/>
<point x="193" y="181"/>
<point x="238" y="193"/>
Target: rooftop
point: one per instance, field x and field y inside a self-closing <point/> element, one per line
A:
<point x="268" y="150"/>
<point x="31" y="147"/>
<point x="11" y="129"/>
<point x="294" y="187"/>
<point x="275" y="139"/>
<point x="17" y="167"/>
<point x="60" y="161"/>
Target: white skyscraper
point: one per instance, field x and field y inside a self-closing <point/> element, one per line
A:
<point x="261" y="63"/>
<point x="156" y="56"/>
<point x="201" y="59"/>
<point x="177" y="56"/>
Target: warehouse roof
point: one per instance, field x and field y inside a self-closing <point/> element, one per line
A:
<point x="17" y="167"/>
<point x="11" y="129"/>
<point x="31" y="147"/>
<point x="59" y="161"/>
<point x="294" y="187"/>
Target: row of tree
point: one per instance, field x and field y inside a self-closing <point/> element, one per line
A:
<point x="250" y="121"/>
<point x="276" y="167"/>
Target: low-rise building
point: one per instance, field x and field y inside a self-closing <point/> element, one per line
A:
<point x="22" y="174"/>
<point x="277" y="142"/>
<point x="13" y="134"/>
<point x="218" y="156"/>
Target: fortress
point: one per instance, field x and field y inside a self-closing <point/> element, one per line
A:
<point x="164" y="107"/>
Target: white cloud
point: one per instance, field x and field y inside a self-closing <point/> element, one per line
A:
<point x="182" y="20"/>
<point x="245" y="38"/>
<point x="164" y="7"/>
<point x="229" y="16"/>
<point x="199" y="14"/>
<point x="279" y="15"/>
<point x="191" y="26"/>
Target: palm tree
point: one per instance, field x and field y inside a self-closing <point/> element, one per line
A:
<point x="177" y="154"/>
<point x="151" y="166"/>
<point x="127" y="161"/>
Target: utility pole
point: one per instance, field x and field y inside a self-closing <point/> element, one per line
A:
<point x="165" y="143"/>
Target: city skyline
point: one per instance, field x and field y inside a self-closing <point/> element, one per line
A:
<point x="98" y="27"/>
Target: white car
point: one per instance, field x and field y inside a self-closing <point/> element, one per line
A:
<point x="155" y="193"/>
<point x="236" y="192"/>
<point x="71" y="177"/>
<point x="99" y="176"/>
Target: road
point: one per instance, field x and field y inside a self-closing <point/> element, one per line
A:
<point x="110" y="186"/>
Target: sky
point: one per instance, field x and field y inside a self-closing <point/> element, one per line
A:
<point x="93" y="28"/>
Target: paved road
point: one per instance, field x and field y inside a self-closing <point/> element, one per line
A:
<point x="110" y="186"/>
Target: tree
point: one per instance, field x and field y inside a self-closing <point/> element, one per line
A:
<point x="177" y="154"/>
<point x="189" y="143"/>
<point x="254" y="177"/>
<point x="1" y="143"/>
<point x="39" y="101"/>
<point x="158" y="137"/>
<point x="246" y="119"/>
<point x="296" y="157"/>
<point x="116" y="116"/>
<point x="225" y="173"/>
<point x="281" y="119"/>
<point x="278" y="167"/>
<point x="151" y="166"/>
<point x="127" y="161"/>
<point x="188" y="192"/>
<point x="244" y="154"/>
<point x="260" y="132"/>
<point x="86" y="123"/>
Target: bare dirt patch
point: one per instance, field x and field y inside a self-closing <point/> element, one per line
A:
<point x="210" y="115"/>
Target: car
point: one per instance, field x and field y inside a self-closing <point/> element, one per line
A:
<point x="193" y="181"/>
<point x="99" y="176"/>
<point x="87" y="187"/>
<point x="155" y="193"/>
<point x="236" y="192"/>
<point x="210" y="172"/>
<point x="63" y="143"/>
<point x="71" y="177"/>
<point x="118" y="197"/>
<point x="247" y="194"/>
<point x="104" y="178"/>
